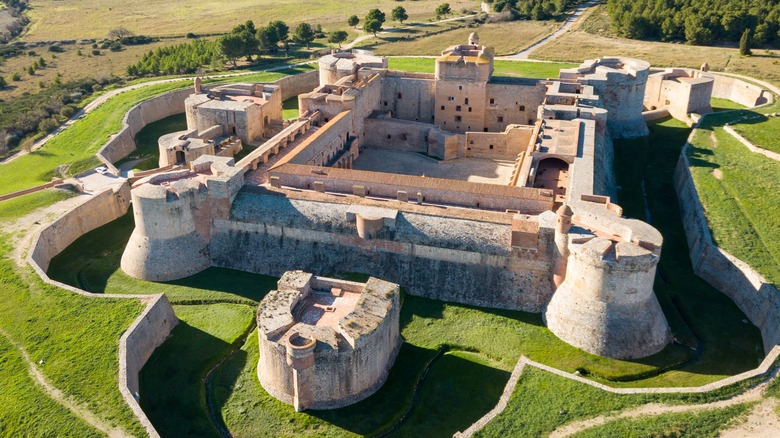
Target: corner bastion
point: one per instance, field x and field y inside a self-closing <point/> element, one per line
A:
<point x="327" y="343"/>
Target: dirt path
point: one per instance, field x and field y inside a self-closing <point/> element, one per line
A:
<point x="77" y="409"/>
<point x="573" y="18"/>
<point x="390" y="30"/>
<point x="762" y="422"/>
<point x="653" y="409"/>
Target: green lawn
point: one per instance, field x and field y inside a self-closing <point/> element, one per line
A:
<point x="707" y="423"/>
<point x="147" y="154"/>
<point x="26" y="409"/>
<point x="743" y="206"/>
<point x="77" y="339"/>
<point x="724" y="104"/>
<point x="13" y="209"/>
<point x="172" y="388"/>
<point x="290" y="108"/>
<point x="761" y="129"/>
<point x="502" y="68"/>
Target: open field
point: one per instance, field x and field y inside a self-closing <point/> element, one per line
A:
<point x="507" y="38"/>
<point x="27" y="410"/>
<point x="762" y="130"/>
<point x="75" y="338"/>
<point x="702" y="424"/>
<point x="742" y="206"/>
<point x="575" y="46"/>
<point x="55" y="20"/>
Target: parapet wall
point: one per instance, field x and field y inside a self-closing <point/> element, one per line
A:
<point x="96" y="211"/>
<point x="148" y="111"/>
<point x="739" y="91"/>
<point x="750" y="291"/>
<point x="294" y="85"/>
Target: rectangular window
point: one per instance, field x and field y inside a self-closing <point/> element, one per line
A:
<point x="522" y="107"/>
<point x="460" y="87"/>
<point x="469" y="109"/>
<point x="500" y="119"/>
<point x="400" y="95"/>
<point x="492" y="101"/>
<point x="385" y="103"/>
<point x="442" y="107"/>
<point x="457" y="108"/>
<point x="457" y="118"/>
<point x="491" y="146"/>
<point x="466" y="101"/>
<point x="451" y="98"/>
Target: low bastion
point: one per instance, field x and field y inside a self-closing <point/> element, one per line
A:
<point x="327" y="343"/>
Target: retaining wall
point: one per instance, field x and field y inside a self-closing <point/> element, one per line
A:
<point x="750" y="291"/>
<point x="150" y="329"/>
<point x="737" y="90"/>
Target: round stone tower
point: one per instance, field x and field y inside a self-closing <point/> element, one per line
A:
<point x="606" y="305"/>
<point x="170" y="239"/>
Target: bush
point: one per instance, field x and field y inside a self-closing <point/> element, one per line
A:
<point x="97" y="87"/>
<point x="48" y="125"/>
<point x="96" y="52"/>
<point x="16" y="77"/>
<point x="116" y="47"/>
<point x="191" y="35"/>
<point x="56" y="49"/>
<point x="67" y="111"/>
<point x="3" y="82"/>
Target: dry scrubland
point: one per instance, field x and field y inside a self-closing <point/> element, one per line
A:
<point x="507" y="38"/>
<point x="54" y="19"/>
<point x="593" y="39"/>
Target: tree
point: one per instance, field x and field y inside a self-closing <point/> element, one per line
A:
<point x="279" y="32"/>
<point x="399" y="14"/>
<point x="42" y="62"/>
<point x="338" y="37"/>
<point x="376" y="15"/>
<point x="443" y="10"/>
<point x="353" y="21"/>
<point x="304" y="34"/>
<point x="744" y="43"/>
<point x="372" y="26"/>
<point x="119" y="33"/>
<point x="232" y="46"/>
<point x="31" y="71"/>
<point x="3" y="82"/>
<point x="16" y="77"/>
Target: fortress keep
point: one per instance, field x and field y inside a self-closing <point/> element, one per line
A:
<point x="327" y="343"/>
<point x="458" y="185"/>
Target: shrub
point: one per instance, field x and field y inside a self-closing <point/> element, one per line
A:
<point x="48" y="125"/>
<point x="16" y="77"/>
<point x="191" y="35"/>
<point x="67" y="111"/>
<point x="3" y="82"/>
<point x="56" y="49"/>
<point x="96" y="52"/>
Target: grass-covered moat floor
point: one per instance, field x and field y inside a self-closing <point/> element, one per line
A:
<point x="468" y="352"/>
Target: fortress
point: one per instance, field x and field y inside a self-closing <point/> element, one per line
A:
<point x="459" y="185"/>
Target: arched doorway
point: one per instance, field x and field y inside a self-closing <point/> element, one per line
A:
<point x="553" y="173"/>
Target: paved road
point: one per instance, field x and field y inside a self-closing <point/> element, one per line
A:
<point x="573" y="18"/>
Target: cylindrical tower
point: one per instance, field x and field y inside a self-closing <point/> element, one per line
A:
<point x="606" y="305"/>
<point x="170" y="239"/>
<point x="562" y="227"/>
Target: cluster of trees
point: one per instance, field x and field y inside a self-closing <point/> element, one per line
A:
<point x="531" y="9"/>
<point x="247" y="41"/>
<point x="696" y="21"/>
<point x="182" y="58"/>
<point x="34" y="114"/>
<point x="12" y="28"/>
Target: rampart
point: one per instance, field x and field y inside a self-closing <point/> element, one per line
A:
<point x="737" y="90"/>
<point x="758" y="299"/>
<point x="150" y="329"/>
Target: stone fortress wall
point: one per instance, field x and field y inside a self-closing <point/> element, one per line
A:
<point x="327" y="343"/>
<point x="155" y="323"/>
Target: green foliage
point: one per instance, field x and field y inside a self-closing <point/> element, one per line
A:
<point x="372" y="26"/>
<point x="184" y="58"/>
<point x="531" y="9"/>
<point x="744" y="43"/>
<point x="3" y="82"/>
<point x="338" y="37"/>
<point x="304" y="34"/>
<point x="702" y="424"/>
<point x="443" y="10"/>
<point x="232" y="46"/>
<point x="353" y="20"/>
<point x="31" y="70"/>
<point x="376" y="15"/>
<point x="399" y="14"/>
<point x="696" y="22"/>
<point x="16" y="77"/>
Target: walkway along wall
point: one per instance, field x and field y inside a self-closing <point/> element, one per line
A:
<point x="759" y="300"/>
<point x="150" y="329"/>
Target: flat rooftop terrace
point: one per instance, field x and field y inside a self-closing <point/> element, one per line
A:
<point x="482" y="170"/>
<point x="324" y="308"/>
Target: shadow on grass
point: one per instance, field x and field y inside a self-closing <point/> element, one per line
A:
<point x="171" y="382"/>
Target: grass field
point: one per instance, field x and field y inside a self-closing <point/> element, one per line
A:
<point x="15" y="208"/>
<point x="54" y="20"/>
<point x="701" y="424"/>
<point x="507" y="38"/>
<point x="576" y="46"/>
<point x="742" y="206"/>
<point x="76" y="338"/>
<point x="26" y="409"/>
<point x="724" y="104"/>
<point x="762" y="130"/>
